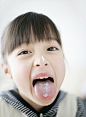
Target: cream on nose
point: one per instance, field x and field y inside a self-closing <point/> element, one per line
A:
<point x="40" y="61"/>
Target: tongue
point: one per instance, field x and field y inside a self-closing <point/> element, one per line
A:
<point x="45" y="90"/>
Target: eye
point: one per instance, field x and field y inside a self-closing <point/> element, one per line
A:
<point x="52" y="49"/>
<point x="24" y="52"/>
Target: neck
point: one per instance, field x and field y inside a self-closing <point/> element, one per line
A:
<point x="34" y="105"/>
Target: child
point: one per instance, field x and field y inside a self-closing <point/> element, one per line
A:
<point x="32" y="56"/>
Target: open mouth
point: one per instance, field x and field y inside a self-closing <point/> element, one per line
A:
<point x="41" y="79"/>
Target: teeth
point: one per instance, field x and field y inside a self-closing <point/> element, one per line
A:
<point x="42" y="77"/>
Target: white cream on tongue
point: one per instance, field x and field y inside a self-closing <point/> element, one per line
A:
<point x="45" y="90"/>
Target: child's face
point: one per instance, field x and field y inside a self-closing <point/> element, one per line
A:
<point x="34" y="61"/>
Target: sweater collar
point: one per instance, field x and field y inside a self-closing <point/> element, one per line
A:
<point x="12" y="97"/>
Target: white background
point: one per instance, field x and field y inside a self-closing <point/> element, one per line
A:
<point x="70" y="18"/>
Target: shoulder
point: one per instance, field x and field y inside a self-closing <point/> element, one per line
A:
<point x="2" y="102"/>
<point x="70" y="101"/>
<point x="4" y="107"/>
<point x="81" y="110"/>
<point x="72" y="105"/>
<point x="77" y="102"/>
<point x="7" y="110"/>
<point x="67" y="97"/>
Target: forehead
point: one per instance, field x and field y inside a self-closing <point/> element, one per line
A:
<point x="33" y="38"/>
<point x="38" y="44"/>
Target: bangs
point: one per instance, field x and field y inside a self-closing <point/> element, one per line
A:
<point x="29" y="28"/>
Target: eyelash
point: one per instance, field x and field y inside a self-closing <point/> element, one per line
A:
<point x="54" y="49"/>
<point x="28" y="52"/>
<point x="24" y="52"/>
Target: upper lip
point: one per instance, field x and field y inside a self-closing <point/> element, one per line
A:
<point x="41" y="75"/>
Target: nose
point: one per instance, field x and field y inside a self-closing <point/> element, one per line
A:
<point x="40" y="61"/>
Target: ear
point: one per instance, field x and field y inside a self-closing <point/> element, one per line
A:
<point x="6" y="70"/>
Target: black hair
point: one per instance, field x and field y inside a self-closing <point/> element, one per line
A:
<point x="27" y="28"/>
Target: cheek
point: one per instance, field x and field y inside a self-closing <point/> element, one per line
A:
<point x="60" y="67"/>
<point x="24" y="70"/>
<point x="20" y="70"/>
<point x="59" y="70"/>
<point x="21" y="74"/>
